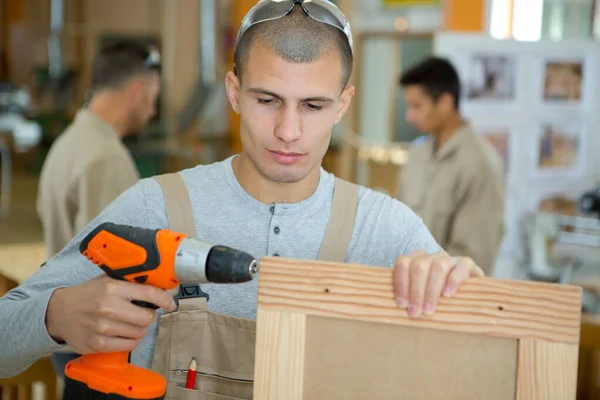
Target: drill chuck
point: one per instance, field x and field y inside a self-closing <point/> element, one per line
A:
<point x="200" y="262"/>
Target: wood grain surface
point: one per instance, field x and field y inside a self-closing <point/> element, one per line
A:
<point x="19" y="261"/>
<point x="279" y="366"/>
<point x="546" y="370"/>
<point x="514" y="309"/>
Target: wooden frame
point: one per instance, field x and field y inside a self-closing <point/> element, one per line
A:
<point x="542" y="321"/>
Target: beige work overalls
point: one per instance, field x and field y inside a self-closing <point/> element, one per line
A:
<point x="223" y="346"/>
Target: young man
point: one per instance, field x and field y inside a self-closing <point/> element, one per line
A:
<point x="292" y="64"/>
<point x="88" y="166"/>
<point x="454" y="180"/>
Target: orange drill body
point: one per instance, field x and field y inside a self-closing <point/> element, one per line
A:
<point x="110" y="374"/>
<point x="149" y="260"/>
<point x="161" y="258"/>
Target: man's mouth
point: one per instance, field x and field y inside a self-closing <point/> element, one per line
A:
<point x="284" y="157"/>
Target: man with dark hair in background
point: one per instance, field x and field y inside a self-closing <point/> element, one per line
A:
<point x="454" y="180"/>
<point x="88" y="166"/>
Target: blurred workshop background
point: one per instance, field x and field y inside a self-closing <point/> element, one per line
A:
<point x="529" y="70"/>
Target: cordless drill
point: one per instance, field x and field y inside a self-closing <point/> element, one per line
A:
<point x="161" y="258"/>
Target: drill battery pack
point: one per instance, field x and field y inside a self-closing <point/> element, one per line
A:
<point x="109" y="376"/>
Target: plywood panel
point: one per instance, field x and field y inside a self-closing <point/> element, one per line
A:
<point x="360" y="360"/>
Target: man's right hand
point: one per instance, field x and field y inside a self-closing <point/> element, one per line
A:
<point x="97" y="316"/>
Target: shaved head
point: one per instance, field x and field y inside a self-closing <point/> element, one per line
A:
<point x="296" y="38"/>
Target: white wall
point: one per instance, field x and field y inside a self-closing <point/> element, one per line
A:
<point x="379" y="62"/>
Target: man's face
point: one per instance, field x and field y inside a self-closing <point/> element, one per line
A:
<point x="287" y="111"/>
<point x="145" y="91"/>
<point x="422" y="111"/>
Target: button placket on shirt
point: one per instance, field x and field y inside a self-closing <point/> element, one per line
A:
<point x="275" y="239"/>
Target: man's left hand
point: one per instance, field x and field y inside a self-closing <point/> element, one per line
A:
<point x="421" y="278"/>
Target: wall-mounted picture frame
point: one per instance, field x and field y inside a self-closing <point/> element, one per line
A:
<point x="563" y="80"/>
<point x="492" y="78"/>
<point x="558" y="149"/>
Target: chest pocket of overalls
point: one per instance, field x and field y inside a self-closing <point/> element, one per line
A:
<point x="224" y="346"/>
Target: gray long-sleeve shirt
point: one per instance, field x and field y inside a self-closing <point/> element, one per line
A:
<point x="224" y="214"/>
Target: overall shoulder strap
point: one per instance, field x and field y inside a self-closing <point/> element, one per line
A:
<point x="341" y="222"/>
<point x="180" y="218"/>
<point x="177" y="202"/>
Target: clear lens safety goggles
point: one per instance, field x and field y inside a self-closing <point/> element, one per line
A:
<point x="153" y="59"/>
<point x="323" y="11"/>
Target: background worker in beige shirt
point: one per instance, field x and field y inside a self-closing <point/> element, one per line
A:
<point x="88" y="165"/>
<point x="454" y="179"/>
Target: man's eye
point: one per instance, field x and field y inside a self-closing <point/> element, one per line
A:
<point x="313" y="107"/>
<point x="265" y="101"/>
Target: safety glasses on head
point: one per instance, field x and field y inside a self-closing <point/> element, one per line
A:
<point x="152" y="61"/>
<point x="320" y="10"/>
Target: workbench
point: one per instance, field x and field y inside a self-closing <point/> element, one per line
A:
<point x="17" y="263"/>
<point x="588" y="379"/>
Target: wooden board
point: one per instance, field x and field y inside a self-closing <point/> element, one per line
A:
<point x="326" y="330"/>
<point x="19" y="261"/>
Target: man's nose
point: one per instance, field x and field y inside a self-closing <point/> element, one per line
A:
<point x="288" y="124"/>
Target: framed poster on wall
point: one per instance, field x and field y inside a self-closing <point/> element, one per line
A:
<point x="558" y="149"/>
<point x="492" y="78"/>
<point x="563" y="80"/>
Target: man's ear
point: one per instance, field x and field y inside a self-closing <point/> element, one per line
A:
<point x="446" y="102"/>
<point x="232" y="85"/>
<point x="345" y="99"/>
<point x="134" y="89"/>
